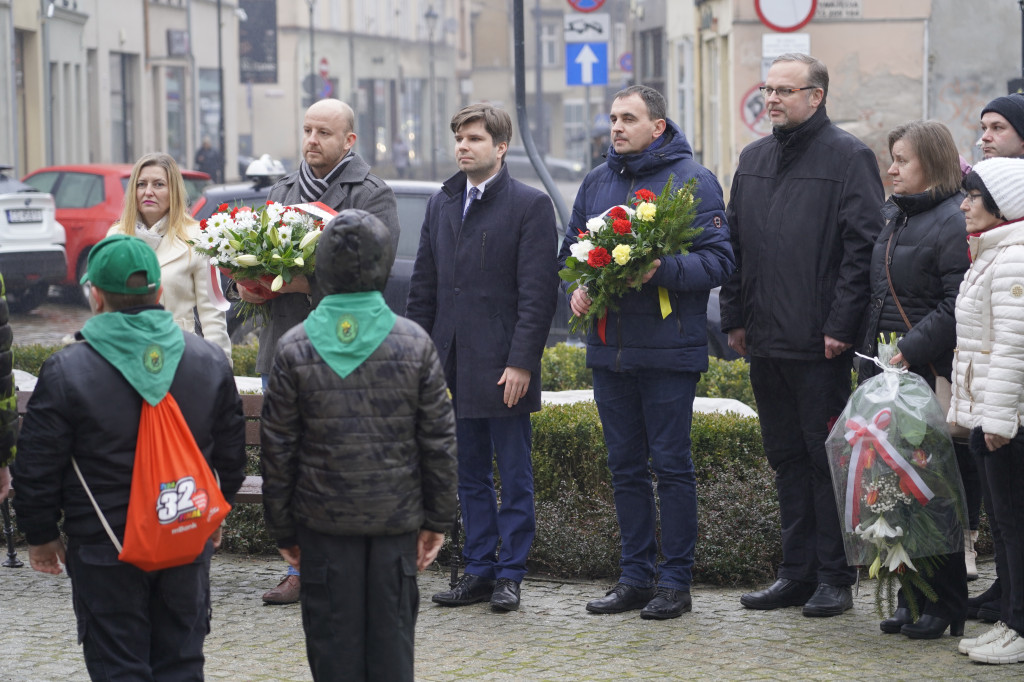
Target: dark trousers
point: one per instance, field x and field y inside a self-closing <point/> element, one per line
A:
<point x="646" y="416"/>
<point x="1004" y="473"/>
<point x="135" y="625"/>
<point x="482" y="442"/>
<point x="950" y="584"/>
<point x="798" y="401"/>
<point x="359" y="603"/>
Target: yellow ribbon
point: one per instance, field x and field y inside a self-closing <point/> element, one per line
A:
<point x="666" y="305"/>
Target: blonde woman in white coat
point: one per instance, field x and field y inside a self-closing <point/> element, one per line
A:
<point x="988" y="381"/>
<point x="155" y="211"/>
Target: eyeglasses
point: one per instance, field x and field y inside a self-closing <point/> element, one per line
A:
<point x="971" y="197"/>
<point x="783" y="92"/>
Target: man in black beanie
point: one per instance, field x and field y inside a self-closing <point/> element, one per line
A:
<point x="1002" y="127"/>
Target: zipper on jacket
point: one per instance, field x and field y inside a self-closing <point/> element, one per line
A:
<point x="618" y="341"/>
<point x="483" y="248"/>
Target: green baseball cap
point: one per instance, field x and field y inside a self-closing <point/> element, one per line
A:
<point x="116" y="258"/>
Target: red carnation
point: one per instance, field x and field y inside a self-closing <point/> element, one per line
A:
<point x="598" y="257"/>
<point x="622" y="226"/>
<point x="222" y="207"/>
<point x="202" y="224"/>
<point x="645" y="195"/>
<point x="617" y="213"/>
<point x="269" y="203"/>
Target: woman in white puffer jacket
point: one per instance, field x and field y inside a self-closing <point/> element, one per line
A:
<point x="988" y="381"/>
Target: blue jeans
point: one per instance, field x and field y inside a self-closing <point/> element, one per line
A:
<point x="480" y="441"/>
<point x="646" y="416"/>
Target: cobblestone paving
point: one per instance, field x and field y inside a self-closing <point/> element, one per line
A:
<point x="550" y="638"/>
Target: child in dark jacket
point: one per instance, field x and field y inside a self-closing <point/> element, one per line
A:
<point x="359" y="466"/>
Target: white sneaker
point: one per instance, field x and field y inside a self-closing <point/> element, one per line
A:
<point x="997" y="631"/>
<point x="1007" y="649"/>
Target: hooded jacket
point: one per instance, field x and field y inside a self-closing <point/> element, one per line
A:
<point x="804" y="216"/>
<point x="928" y="258"/>
<point x="372" y="453"/>
<point x="636" y="335"/>
<point x="988" y="364"/>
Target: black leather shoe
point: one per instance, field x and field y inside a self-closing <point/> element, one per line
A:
<point x="897" y="620"/>
<point x="993" y="593"/>
<point x="784" y="592"/>
<point x="933" y="627"/>
<point x="506" y="595"/>
<point x="667" y="603"/>
<point x="829" y="600"/>
<point x="469" y="590"/>
<point x="987" y="612"/>
<point x="621" y="598"/>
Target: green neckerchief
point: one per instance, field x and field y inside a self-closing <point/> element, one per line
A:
<point x="345" y="329"/>
<point x="145" y="347"/>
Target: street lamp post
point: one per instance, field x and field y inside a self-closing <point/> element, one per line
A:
<point x="312" y="53"/>
<point x="431" y="18"/>
<point x="220" y="93"/>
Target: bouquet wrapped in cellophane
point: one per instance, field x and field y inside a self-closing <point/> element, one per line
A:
<point x="896" y="480"/>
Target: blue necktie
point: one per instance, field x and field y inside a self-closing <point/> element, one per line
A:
<point x="473" y="194"/>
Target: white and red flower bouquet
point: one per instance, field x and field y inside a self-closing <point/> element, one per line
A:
<point x="896" y="481"/>
<point x="618" y="247"/>
<point x="263" y="248"/>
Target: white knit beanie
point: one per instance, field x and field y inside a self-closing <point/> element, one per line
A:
<point x="1004" y="180"/>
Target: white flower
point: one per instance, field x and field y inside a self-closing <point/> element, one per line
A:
<point x="896" y="556"/>
<point x="878" y="531"/>
<point x="299" y="262"/>
<point x="245" y="220"/>
<point x="214" y="260"/>
<point x="247" y="259"/>
<point x="277" y="283"/>
<point x="309" y="238"/>
<point x="581" y="248"/>
<point x="595" y="225"/>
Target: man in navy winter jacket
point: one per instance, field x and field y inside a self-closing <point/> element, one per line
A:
<point x="647" y="365"/>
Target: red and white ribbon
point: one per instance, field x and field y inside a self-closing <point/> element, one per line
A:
<point x="862" y="436"/>
<point x="213" y="289"/>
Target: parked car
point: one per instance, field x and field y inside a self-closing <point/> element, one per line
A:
<point x="521" y="168"/>
<point x="411" y="197"/>
<point x="89" y="199"/>
<point x="31" y="243"/>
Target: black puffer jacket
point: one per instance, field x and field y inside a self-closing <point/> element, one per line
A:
<point x="8" y="400"/>
<point x="928" y="255"/>
<point x="803" y="216"/>
<point x="370" y="454"/>
<point x="83" y="407"/>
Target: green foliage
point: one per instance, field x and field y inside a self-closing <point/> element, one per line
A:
<point x="569" y="450"/>
<point x="722" y="443"/>
<point x="727" y="379"/>
<point x="30" y="358"/>
<point x="244" y="359"/>
<point x="564" y="368"/>
<point x="577" y="536"/>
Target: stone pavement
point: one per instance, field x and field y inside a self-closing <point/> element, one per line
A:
<point x="550" y="638"/>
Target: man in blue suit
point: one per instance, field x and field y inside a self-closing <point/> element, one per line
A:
<point x="484" y="286"/>
<point x="647" y="364"/>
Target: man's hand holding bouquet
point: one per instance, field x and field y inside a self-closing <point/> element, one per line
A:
<point x="619" y="248"/>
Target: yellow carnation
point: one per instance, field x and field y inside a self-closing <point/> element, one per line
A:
<point x="646" y="211"/>
<point x="621" y="253"/>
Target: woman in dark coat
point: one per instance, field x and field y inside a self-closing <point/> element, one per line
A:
<point x="923" y="242"/>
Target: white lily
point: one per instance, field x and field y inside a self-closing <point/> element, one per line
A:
<point x="896" y="556"/>
<point x="309" y="238"/>
<point x="247" y="259"/>
<point x="879" y="531"/>
<point x="299" y="261"/>
<point x="277" y="283"/>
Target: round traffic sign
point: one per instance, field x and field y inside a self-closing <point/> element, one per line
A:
<point x="785" y="15"/>
<point x="586" y="5"/>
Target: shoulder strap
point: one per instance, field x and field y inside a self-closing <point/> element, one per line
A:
<point x="895" y="298"/>
<point x="103" y="519"/>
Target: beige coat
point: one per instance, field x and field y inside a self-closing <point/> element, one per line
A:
<point x="185" y="277"/>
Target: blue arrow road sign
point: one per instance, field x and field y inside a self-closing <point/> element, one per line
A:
<point x="586" y="63"/>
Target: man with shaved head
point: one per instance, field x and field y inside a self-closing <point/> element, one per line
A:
<point x="336" y="176"/>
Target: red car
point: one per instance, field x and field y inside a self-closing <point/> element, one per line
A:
<point x="89" y="200"/>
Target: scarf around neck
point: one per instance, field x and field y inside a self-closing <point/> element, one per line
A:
<point x="151" y="235"/>
<point x="312" y="188"/>
<point x="145" y="347"/>
<point x="345" y="329"/>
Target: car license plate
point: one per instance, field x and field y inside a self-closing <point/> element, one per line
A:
<point x="24" y="215"/>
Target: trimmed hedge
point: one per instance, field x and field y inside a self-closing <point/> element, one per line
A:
<point x="30" y="358"/>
